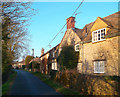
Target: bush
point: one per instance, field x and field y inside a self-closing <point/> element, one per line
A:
<point x="30" y="66"/>
<point x="28" y="59"/>
<point x="87" y="84"/>
<point x="53" y="73"/>
<point x="36" y="64"/>
<point x="23" y="66"/>
<point x="17" y="67"/>
<point x="68" y="57"/>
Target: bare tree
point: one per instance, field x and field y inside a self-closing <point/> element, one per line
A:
<point x="15" y="19"/>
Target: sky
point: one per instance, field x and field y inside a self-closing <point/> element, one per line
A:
<point x="51" y="16"/>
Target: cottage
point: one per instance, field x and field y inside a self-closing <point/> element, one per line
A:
<point x="18" y="64"/>
<point x="48" y="60"/>
<point x="52" y="61"/>
<point x="43" y="61"/>
<point x="72" y="35"/>
<point x="97" y="44"/>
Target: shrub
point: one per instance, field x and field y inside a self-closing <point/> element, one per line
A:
<point x="87" y="84"/>
<point x="30" y="66"/>
<point x="68" y="57"/>
<point x="53" y="73"/>
<point x="28" y="59"/>
<point x="23" y="66"/>
<point x="35" y="64"/>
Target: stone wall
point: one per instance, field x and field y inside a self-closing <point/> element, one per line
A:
<point x="70" y="38"/>
<point x="105" y="50"/>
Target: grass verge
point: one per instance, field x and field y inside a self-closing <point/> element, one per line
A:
<point x="59" y="88"/>
<point x="7" y="85"/>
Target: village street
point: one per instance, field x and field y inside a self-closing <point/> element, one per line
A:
<point x="28" y="84"/>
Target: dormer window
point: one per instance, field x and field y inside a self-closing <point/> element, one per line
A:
<point x="98" y="35"/>
<point x="77" y="47"/>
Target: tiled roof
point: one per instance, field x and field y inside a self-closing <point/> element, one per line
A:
<point x="48" y="51"/>
<point x="111" y="20"/>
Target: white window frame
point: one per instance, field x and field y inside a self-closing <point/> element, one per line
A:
<point x="54" y="66"/>
<point x="53" y="54"/>
<point x="77" y="49"/>
<point x="97" y="35"/>
<point x="99" y="66"/>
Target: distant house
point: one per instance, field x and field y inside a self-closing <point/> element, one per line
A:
<point x="15" y="65"/>
<point x="48" y="60"/>
<point x="21" y="63"/>
<point x="18" y="64"/>
<point x="44" y="61"/>
<point x="52" y="60"/>
<point x="37" y="59"/>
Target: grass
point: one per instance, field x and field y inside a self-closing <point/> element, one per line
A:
<point x="7" y="85"/>
<point x="59" y="88"/>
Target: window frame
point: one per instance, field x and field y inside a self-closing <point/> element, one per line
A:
<point x="100" y="68"/>
<point x="76" y="47"/>
<point x="54" y="66"/>
<point x="93" y="35"/>
<point x="53" y="54"/>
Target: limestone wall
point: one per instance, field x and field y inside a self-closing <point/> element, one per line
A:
<point x="70" y="38"/>
<point x="105" y="50"/>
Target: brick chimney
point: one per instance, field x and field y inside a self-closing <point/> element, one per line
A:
<point x="70" y="22"/>
<point x="42" y="51"/>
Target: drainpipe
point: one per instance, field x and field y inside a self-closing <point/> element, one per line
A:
<point x="81" y="55"/>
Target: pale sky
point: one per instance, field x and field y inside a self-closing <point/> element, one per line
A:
<point x="52" y="16"/>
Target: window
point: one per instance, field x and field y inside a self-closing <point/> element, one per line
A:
<point x="54" y="66"/>
<point x="98" y="35"/>
<point x="77" y="47"/>
<point x="53" y="54"/>
<point x="99" y="66"/>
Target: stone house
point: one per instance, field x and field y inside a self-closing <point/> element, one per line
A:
<point x="52" y="60"/>
<point x="97" y="44"/>
<point x="44" y="61"/>
<point x="99" y="48"/>
<point x="72" y="35"/>
<point x="15" y="65"/>
<point x="48" y="60"/>
<point x="18" y="64"/>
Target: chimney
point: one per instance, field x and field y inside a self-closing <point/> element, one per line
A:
<point x="42" y="51"/>
<point x="70" y="22"/>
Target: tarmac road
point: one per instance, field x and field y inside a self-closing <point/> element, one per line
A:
<point x="28" y="84"/>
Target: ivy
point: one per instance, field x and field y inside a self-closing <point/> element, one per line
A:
<point x="68" y="58"/>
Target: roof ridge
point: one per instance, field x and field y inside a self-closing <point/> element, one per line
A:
<point x="101" y="18"/>
<point x="111" y="14"/>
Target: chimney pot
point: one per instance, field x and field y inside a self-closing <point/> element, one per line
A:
<point x="42" y="51"/>
<point x="70" y="22"/>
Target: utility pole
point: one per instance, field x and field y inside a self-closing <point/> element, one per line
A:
<point x="33" y="52"/>
<point x="33" y="59"/>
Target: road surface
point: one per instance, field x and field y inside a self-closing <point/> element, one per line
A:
<point x="28" y="84"/>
